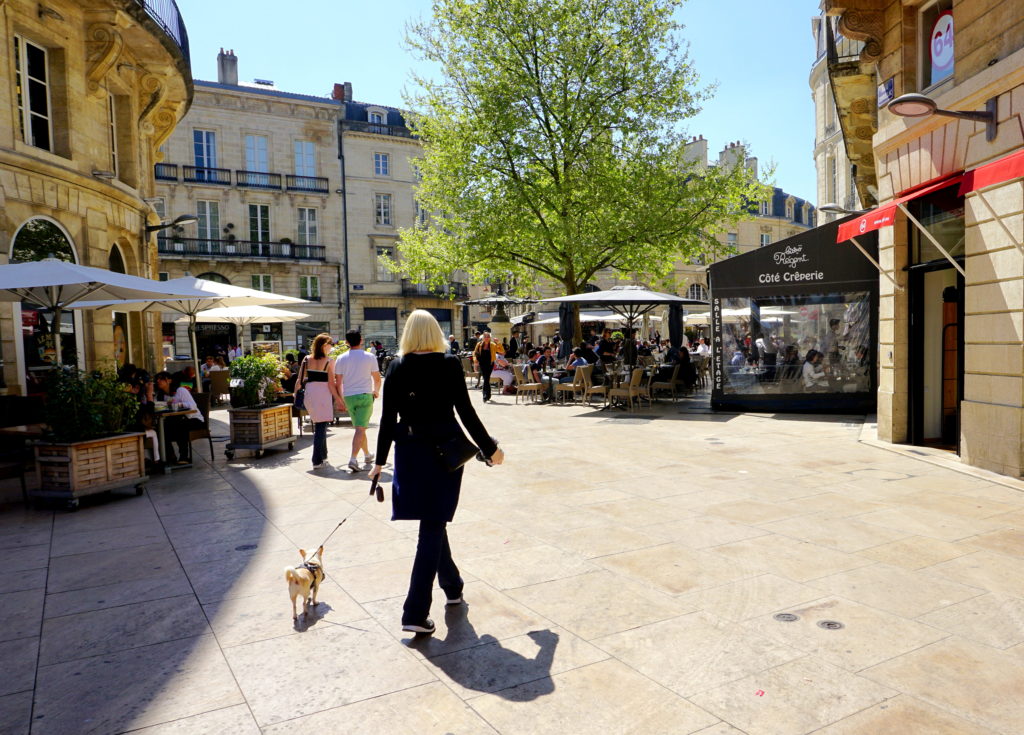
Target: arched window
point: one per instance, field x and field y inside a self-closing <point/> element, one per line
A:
<point x="39" y="239"/>
<point x="697" y="291"/>
<point x="215" y="277"/>
<point x="590" y="288"/>
<point x="115" y="261"/>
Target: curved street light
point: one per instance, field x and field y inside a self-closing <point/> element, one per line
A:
<point x="915" y="105"/>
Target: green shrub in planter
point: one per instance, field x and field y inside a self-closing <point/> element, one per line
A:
<point x="86" y="405"/>
<point x="256" y="380"/>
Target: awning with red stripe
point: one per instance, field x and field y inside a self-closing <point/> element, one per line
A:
<point x="996" y="172"/>
<point x="883" y="216"/>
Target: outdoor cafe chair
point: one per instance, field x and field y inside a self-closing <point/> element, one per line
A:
<point x="589" y="387"/>
<point x="203" y="404"/>
<point x="575" y="387"/>
<point x="670" y="384"/>
<point x="523" y="387"/>
<point x="220" y="385"/>
<point x="630" y="390"/>
<point x="467" y="368"/>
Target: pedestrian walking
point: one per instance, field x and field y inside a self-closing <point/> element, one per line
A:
<point x="424" y="388"/>
<point x="357" y="377"/>
<point x="485" y="353"/>
<point x="316" y="376"/>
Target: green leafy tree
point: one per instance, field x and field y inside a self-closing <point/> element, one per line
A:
<point x="553" y="144"/>
<point x="40" y="239"/>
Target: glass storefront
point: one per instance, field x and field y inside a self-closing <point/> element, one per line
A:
<point x="795" y="326"/>
<point x="381" y="324"/>
<point x="305" y="332"/>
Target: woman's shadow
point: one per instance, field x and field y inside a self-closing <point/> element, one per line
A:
<point x="481" y="663"/>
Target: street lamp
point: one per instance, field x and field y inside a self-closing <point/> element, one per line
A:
<point x="833" y="208"/>
<point x="184" y="219"/>
<point x="918" y="105"/>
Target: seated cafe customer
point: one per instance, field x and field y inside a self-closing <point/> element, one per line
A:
<point x="179" y="398"/>
<point x="813" y="374"/>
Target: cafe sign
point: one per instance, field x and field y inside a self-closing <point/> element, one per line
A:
<point x="792" y="265"/>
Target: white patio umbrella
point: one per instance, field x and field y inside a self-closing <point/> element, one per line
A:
<point x="243" y="316"/>
<point x="213" y="294"/>
<point x="58" y="285"/>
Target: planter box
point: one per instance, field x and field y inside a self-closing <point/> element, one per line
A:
<point x="260" y="428"/>
<point x="71" y="470"/>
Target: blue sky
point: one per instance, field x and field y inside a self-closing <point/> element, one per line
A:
<point x="759" y="52"/>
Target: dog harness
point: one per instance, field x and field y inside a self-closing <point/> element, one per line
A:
<point x="313" y="569"/>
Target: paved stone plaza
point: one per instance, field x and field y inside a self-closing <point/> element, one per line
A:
<point x="623" y="575"/>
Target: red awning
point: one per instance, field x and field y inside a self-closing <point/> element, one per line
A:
<point x="882" y="216"/>
<point x="996" y="172"/>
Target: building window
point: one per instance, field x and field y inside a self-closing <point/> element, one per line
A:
<point x="208" y="226"/>
<point x="381" y="164"/>
<point x="259" y="222"/>
<point x="305" y="158"/>
<point x="789" y="210"/>
<point x="419" y="213"/>
<point x="765" y="209"/>
<point x="730" y="239"/>
<point x="256" y="158"/>
<point x="765" y="239"/>
<point x="307" y="234"/>
<point x="935" y="33"/>
<point x="112" y="132"/>
<point x="33" y="92"/>
<point x="377" y="122"/>
<point x="382" y="208"/>
<point x="385" y="253"/>
<point x="309" y="288"/>
<point x="204" y="149"/>
<point x="833" y="178"/>
<point x="697" y="291"/>
<point x="262" y="282"/>
<point x="164" y="276"/>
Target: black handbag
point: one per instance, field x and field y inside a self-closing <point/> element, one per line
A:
<point x="456" y="451"/>
<point x="300" y="399"/>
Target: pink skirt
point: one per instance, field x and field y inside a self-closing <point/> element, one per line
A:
<point x="319" y="402"/>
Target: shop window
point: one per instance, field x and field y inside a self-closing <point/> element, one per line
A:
<point x="380" y="323"/>
<point x="306" y="332"/>
<point x="942" y="214"/>
<point x="935" y="42"/>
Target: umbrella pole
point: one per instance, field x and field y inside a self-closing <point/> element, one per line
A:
<point x="195" y="351"/>
<point x="56" y="336"/>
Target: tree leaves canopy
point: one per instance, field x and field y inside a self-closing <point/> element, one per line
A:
<point x="552" y="143"/>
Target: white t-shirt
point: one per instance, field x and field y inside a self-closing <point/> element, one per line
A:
<point x="356" y="368"/>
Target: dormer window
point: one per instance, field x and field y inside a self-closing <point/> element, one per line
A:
<point x="378" y="120"/>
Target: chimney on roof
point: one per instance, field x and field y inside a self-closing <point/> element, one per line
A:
<point x="342" y="92"/>
<point x="697" y="150"/>
<point x="227" y="68"/>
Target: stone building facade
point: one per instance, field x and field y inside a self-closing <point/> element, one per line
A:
<point x="88" y="93"/>
<point x="951" y="328"/>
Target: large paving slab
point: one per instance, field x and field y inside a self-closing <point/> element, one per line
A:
<point x="623" y="573"/>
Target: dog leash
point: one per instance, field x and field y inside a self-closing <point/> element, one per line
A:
<point x="375" y="489"/>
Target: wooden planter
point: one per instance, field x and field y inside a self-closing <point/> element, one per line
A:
<point x="68" y="471"/>
<point x="259" y="428"/>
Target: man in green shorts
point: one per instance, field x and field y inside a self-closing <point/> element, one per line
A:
<point x="358" y="379"/>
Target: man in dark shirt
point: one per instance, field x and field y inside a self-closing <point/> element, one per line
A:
<point x="453" y="344"/>
<point x="513" y="347"/>
<point x="606" y="347"/>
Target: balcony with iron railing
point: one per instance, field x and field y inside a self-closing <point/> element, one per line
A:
<point x="197" y="247"/>
<point x="316" y="184"/>
<point x="165" y="14"/>
<point x="449" y="291"/>
<point x="166" y="171"/>
<point x="207" y="175"/>
<point x="258" y="180"/>
<point x="357" y="126"/>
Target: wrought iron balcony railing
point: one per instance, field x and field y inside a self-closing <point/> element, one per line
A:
<point x="168" y="17"/>
<point x="450" y="291"/>
<point x="206" y="175"/>
<point x="306" y="183"/>
<point x="208" y="248"/>
<point x="166" y="171"/>
<point x="258" y="180"/>
<point x="357" y="126"/>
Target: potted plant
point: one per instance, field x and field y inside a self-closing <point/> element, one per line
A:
<point x="86" y="449"/>
<point x="256" y="422"/>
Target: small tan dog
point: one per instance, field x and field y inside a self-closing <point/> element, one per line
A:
<point x="305" y="580"/>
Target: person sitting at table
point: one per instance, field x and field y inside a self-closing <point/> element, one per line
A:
<point x="186" y="377"/>
<point x="814" y="377"/>
<point x="588" y="353"/>
<point x="575" y="360"/>
<point x="790" y="363"/>
<point x="606" y="349"/>
<point x="687" y="373"/>
<point x="140" y="385"/>
<point x="178" y="427"/>
<point x="503" y="370"/>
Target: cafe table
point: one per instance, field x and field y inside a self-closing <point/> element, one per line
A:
<point x="161" y="416"/>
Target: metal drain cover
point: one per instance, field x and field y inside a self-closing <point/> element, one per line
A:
<point x="246" y="547"/>
<point x="830" y="624"/>
<point x="786" y="617"/>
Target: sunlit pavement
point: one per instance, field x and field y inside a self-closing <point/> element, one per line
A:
<point x="625" y="573"/>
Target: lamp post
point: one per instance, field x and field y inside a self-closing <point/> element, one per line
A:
<point x="184" y="219"/>
<point x="918" y="105"/>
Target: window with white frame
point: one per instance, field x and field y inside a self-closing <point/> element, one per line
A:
<point x="259" y="222"/>
<point x="256" y="156"/>
<point x="309" y="288"/>
<point x="305" y="158"/>
<point x="204" y="148"/>
<point x="385" y="253"/>
<point x="208" y="226"/>
<point x="31" y="70"/>
<point x="789" y="209"/>
<point x="112" y="132"/>
<point x="765" y="209"/>
<point x="382" y="209"/>
<point x="377" y="121"/>
<point x="730" y="239"/>
<point x="381" y="164"/>
<point x="766" y="239"/>
<point x="697" y="291"/>
<point x="262" y="282"/>
<point x="306" y="226"/>
<point x="935" y="42"/>
<point x="419" y="214"/>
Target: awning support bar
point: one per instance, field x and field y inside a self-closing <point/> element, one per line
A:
<point x="997" y="218"/>
<point x="931" y="238"/>
<point x="875" y="263"/>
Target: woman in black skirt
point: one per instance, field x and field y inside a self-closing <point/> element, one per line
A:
<point x="424" y="387"/>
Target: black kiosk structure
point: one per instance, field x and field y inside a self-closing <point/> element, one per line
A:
<point x="795" y="326"/>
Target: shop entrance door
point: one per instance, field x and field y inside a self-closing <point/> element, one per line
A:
<point x="936" y="364"/>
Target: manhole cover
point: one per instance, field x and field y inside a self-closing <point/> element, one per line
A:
<point x="246" y="547"/>
<point x="830" y="624"/>
<point x="786" y="617"/>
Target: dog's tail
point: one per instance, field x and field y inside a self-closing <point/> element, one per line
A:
<point x="290" y="575"/>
